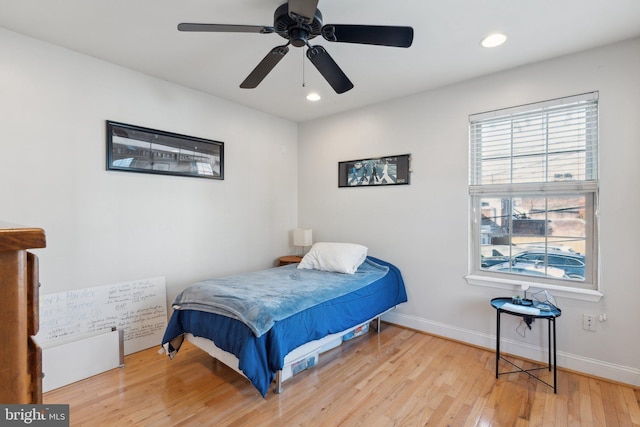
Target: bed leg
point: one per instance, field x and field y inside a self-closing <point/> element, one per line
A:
<point x="378" y="330"/>
<point x="279" y="388"/>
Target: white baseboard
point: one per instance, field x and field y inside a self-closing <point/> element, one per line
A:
<point x="574" y="362"/>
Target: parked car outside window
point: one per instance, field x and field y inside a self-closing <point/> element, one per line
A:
<point x="572" y="264"/>
<point x="530" y="269"/>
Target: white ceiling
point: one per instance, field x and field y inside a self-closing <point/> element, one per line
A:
<point x="142" y="35"/>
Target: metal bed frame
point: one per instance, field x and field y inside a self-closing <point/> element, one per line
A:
<point x="304" y="352"/>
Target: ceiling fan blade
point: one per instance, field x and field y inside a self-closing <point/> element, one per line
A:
<point x="302" y="11"/>
<point x="369" y="34"/>
<point x="329" y="69"/>
<point x="264" y="67"/>
<point x="222" y="28"/>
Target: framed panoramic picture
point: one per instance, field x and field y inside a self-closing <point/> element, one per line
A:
<point x="137" y="149"/>
<point x="390" y="170"/>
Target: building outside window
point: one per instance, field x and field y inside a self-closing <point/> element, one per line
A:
<point x="533" y="185"/>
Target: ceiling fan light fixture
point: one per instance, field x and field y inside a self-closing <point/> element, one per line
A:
<point x="313" y="97"/>
<point x="493" y="40"/>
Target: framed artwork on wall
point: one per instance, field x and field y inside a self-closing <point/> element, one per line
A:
<point x="137" y="149"/>
<point x="389" y="170"/>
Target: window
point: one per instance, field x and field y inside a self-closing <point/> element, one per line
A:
<point x="533" y="184"/>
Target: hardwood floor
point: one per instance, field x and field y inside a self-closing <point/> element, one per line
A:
<point x="396" y="378"/>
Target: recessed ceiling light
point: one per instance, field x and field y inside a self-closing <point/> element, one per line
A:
<point x="493" y="40"/>
<point x="313" y="97"/>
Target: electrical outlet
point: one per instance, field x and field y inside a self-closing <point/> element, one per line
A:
<point x="588" y="322"/>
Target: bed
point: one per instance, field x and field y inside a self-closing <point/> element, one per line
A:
<point x="272" y="323"/>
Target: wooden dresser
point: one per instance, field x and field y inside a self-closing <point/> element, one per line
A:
<point x="20" y="356"/>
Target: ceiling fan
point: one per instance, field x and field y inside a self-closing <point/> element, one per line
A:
<point x="299" y="21"/>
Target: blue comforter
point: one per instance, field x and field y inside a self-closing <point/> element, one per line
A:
<point x="306" y="318"/>
<point x="261" y="298"/>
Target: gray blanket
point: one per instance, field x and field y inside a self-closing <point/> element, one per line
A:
<point x="261" y="298"/>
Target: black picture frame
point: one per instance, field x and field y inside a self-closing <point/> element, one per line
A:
<point x="138" y="149"/>
<point x="371" y="172"/>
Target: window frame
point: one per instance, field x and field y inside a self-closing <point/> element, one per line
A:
<point x="590" y="288"/>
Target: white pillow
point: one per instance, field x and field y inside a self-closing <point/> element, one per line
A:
<point x="336" y="257"/>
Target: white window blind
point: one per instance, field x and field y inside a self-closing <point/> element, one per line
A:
<point x="534" y="145"/>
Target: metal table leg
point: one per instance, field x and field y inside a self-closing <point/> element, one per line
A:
<point x="498" y="343"/>
<point x="555" y="362"/>
<point x="551" y="349"/>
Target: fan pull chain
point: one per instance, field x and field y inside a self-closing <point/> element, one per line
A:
<point x="303" y="76"/>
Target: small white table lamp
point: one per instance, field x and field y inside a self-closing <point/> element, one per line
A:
<point x="302" y="237"/>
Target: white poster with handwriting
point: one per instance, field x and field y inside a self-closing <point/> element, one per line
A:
<point x="138" y="308"/>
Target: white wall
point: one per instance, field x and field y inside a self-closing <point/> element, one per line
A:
<point x="110" y="227"/>
<point x="423" y="227"/>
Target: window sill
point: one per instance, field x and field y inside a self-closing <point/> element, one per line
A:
<point x="516" y="286"/>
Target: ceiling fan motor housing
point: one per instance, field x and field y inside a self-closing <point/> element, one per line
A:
<point x="296" y="32"/>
